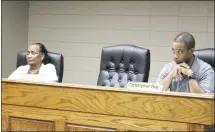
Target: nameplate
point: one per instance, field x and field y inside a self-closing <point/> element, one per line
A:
<point x="145" y="86"/>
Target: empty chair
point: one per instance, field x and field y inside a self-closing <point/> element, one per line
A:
<point x="123" y="63"/>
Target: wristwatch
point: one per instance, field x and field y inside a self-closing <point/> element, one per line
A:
<point x="193" y="76"/>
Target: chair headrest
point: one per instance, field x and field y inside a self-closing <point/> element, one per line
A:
<point x="206" y="55"/>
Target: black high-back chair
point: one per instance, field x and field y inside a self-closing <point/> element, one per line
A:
<point x="123" y="63"/>
<point x="206" y="55"/>
<point x="54" y="58"/>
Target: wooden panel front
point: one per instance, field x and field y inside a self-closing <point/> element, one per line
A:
<point x="75" y="107"/>
<point x="73" y="128"/>
<point x="61" y="118"/>
<point x="19" y="124"/>
<point x="194" y="127"/>
<point x="5" y="122"/>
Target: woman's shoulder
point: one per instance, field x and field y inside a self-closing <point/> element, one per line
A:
<point x="49" y="65"/>
<point x="23" y="67"/>
<point x="48" y="69"/>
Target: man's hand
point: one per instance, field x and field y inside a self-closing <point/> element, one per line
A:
<point x="176" y="72"/>
<point x="185" y="69"/>
<point x="185" y="65"/>
<point x="187" y="72"/>
<point x="181" y="70"/>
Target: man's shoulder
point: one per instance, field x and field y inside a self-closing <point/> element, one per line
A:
<point x="204" y="68"/>
<point x="169" y="65"/>
<point x="203" y="65"/>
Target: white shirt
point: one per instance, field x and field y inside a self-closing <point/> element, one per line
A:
<point x="47" y="73"/>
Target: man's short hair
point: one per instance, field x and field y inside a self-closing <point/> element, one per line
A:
<point x="185" y="38"/>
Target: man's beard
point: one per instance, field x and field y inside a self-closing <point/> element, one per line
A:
<point x="186" y="61"/>
<point x="178" y="62"/>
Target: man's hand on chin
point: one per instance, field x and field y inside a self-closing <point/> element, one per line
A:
<point x="185" y="69"/>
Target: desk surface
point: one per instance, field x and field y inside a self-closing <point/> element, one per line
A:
<point x="92" y="87"/>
